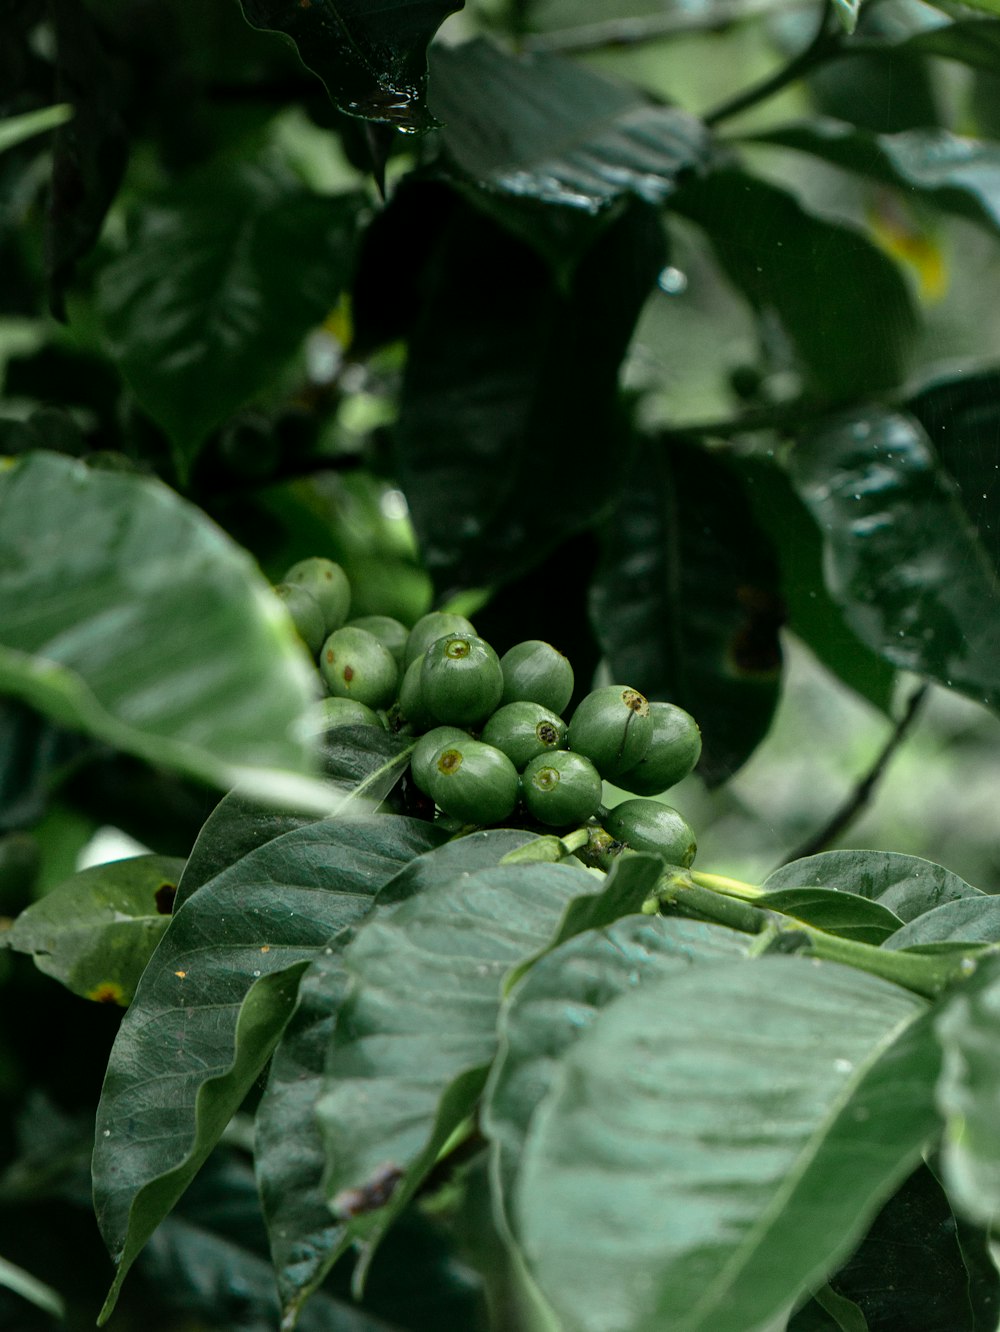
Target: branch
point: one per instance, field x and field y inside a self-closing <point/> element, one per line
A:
<point x="862" y="793"/>
<point x="610" y="33"/>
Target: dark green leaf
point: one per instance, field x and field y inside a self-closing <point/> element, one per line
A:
<point x="686" y="603"/>
<point x="305" y="1236"/>
<point x="846" y="914"/>
<point x="957" y="174"/>
<point x="812" y="613"/>
<point x="817" y="1079"/>
<point x="96" y="931"/>
<point x="548" y="129"/>
<point x="216" y="996"/>
<point x="417" y="1031"/>
<point x="224" y="276"/>
<point x="967" y="1092"/>
<point x="510" y="401"/>
<point x="907" y="885"/>
<point x="971" y="920"/>
<point x="560" y="998"/>
<point x="794" y="265"/>
<point x="99" y="572"/>
<point x="34" y="755"/>
<point x="971" y="41"/>
<point x="903" y="559"/>
<point x="372" y="58"/>
<point x="908" y="1271"/>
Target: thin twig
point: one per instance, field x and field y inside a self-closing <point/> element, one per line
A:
<point x="863" y="791"/>
<point x="610" y="33"/>
<point x="825" y="43"/>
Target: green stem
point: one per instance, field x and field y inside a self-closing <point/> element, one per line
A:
<point x="924" y="973"/>
<point x="678" y="890"/>
<point x="823" y="46"/>
<point x="720" y="883"/>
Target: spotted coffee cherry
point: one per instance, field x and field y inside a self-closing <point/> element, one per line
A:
<point x="649" y="825"/>
<point x="460" y="680"/>
<point x="326" y="581"/>
<point x="561" y="788"/>
<point x="306" y="615"/>
<point x="356" y="665"/>
<point x="430" y="628"/>
<point x="613" y="728"/>
<point x="673" y="752"/>
<point x="523" y="730"/>
<point x="473" y="782"/>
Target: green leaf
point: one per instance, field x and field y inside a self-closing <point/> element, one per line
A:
<point x="224" y="276"/>
<point x="793" y="264"/>
<point x="97" y="931"/>
<point x="31" y="1289"/>
<point x="817" y="1080"/>
<point x="99" y="572"/>
<point x="974" y="42"/>
<point x="510" y="402"/>
<point x="415" y="1036"/>
<point x="847" y="11"/>
<point x="907" y="886"/>
<point x="305" y="1237"/>
<point x="17" y="129"/>
<point x="216" y="995"/>
<point x="371" y="58"/>
<point x="848" y="915"/>
<point x="559" y="999"/>
<point x="959" y="175"/>
<point x="966" y="1027"/>
<point x="686" y="603"/>
<point x="971" y="920"/>
<point x="903" y="559"/>
<point x="544" y="128"/>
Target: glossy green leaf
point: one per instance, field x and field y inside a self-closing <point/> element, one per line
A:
<point x="967" y="1093"/>
<point x="224" y="276"/>
<point x="305" y="1237"/>
<point x="813" y="615"/>
<point x="971" y="920"/>
<point x="559" y="999"/>
<point x="789" y="262"/>
<point x="99" y="572"/>
<point x="216" y="996"/>
<point x="848" y="915"/>
<point x="959" y="175"/>
<point x="908" y="886"/>
<point x="17" y="129"/>
<point x="416" y="1034"/>
<point x="96" y="931"/>
<point x="971" y="41"/>
<point x="371" y="58"/>
<point x="686" y="602"/>
<point x="903" y="558"/>
<point x="987" y="6"/>
<point x="510" y="401"/>
<point x="545" y="128"/>
<point x="362" y="764"/>
<point x="632" y="1214"/>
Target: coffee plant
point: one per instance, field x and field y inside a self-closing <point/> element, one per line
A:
<point x="428" y="431"/>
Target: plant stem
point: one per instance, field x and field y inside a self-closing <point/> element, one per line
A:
<point x="678" y="890"/>
<point x="863" y="791"/>
<point x="610" y="33"/>
<point x="719" y="883"/>
<point x="824" y="44"/>
<point x="925" y="973"/>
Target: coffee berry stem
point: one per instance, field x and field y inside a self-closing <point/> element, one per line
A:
<point x="721" y="883"/>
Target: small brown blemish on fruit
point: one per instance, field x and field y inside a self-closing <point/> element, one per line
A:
<point x="450" y="761"/>
<point x="331" y="656"/>
<point x="635" y="702"/>
<point x="108" y="992"/>
<point x="164" y="898"/>
<point x="348" y="674"/>
<point x="371" y="1195"/>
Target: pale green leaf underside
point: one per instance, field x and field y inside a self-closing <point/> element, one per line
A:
<point x="16" y="129"/>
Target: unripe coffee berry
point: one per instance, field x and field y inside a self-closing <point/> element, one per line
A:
<point x="473" y="782"/>
<point x="412" y="707"/>
<point x="673" y="752"/>
<point x="326" y="581"/>
<point x="390" y="633"/>
<point x="649" y="825"/>
<point x="306" y="614"/>
<point x="534" y="672"/>
<point x="426" y="752"/>
<point x="460" y="679"/>
<point x="429" y="628"/>
<point x="561" y="788"/>
<point x="356" y="665"/>
<point x="336" y="712"/>
<point x="524" y="730"/>
<point x="613" y="728"/>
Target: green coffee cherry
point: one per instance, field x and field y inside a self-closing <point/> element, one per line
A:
<point x="427" y="749"/>
<point x="523" y="730"/>
<point x="649" y="825"/>
<point x="411" y="699"/>
<point x="336" y="712"/>
<point x="327" y="582"/>
<point x="460" y="679"/>
<point x="306" y="614"/>
<point x="473" y="782"/>
<point x="613" y="728"/>
<point x="389" y="632"/>
<point x="356" y="665"/>
<point x="429" y="628"/>
<point x="673" y="752"/>
<point x="561" y="788"/>
<point x="534" y="672"/>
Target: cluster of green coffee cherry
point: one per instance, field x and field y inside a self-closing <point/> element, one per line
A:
<point x="490" y="739"/>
